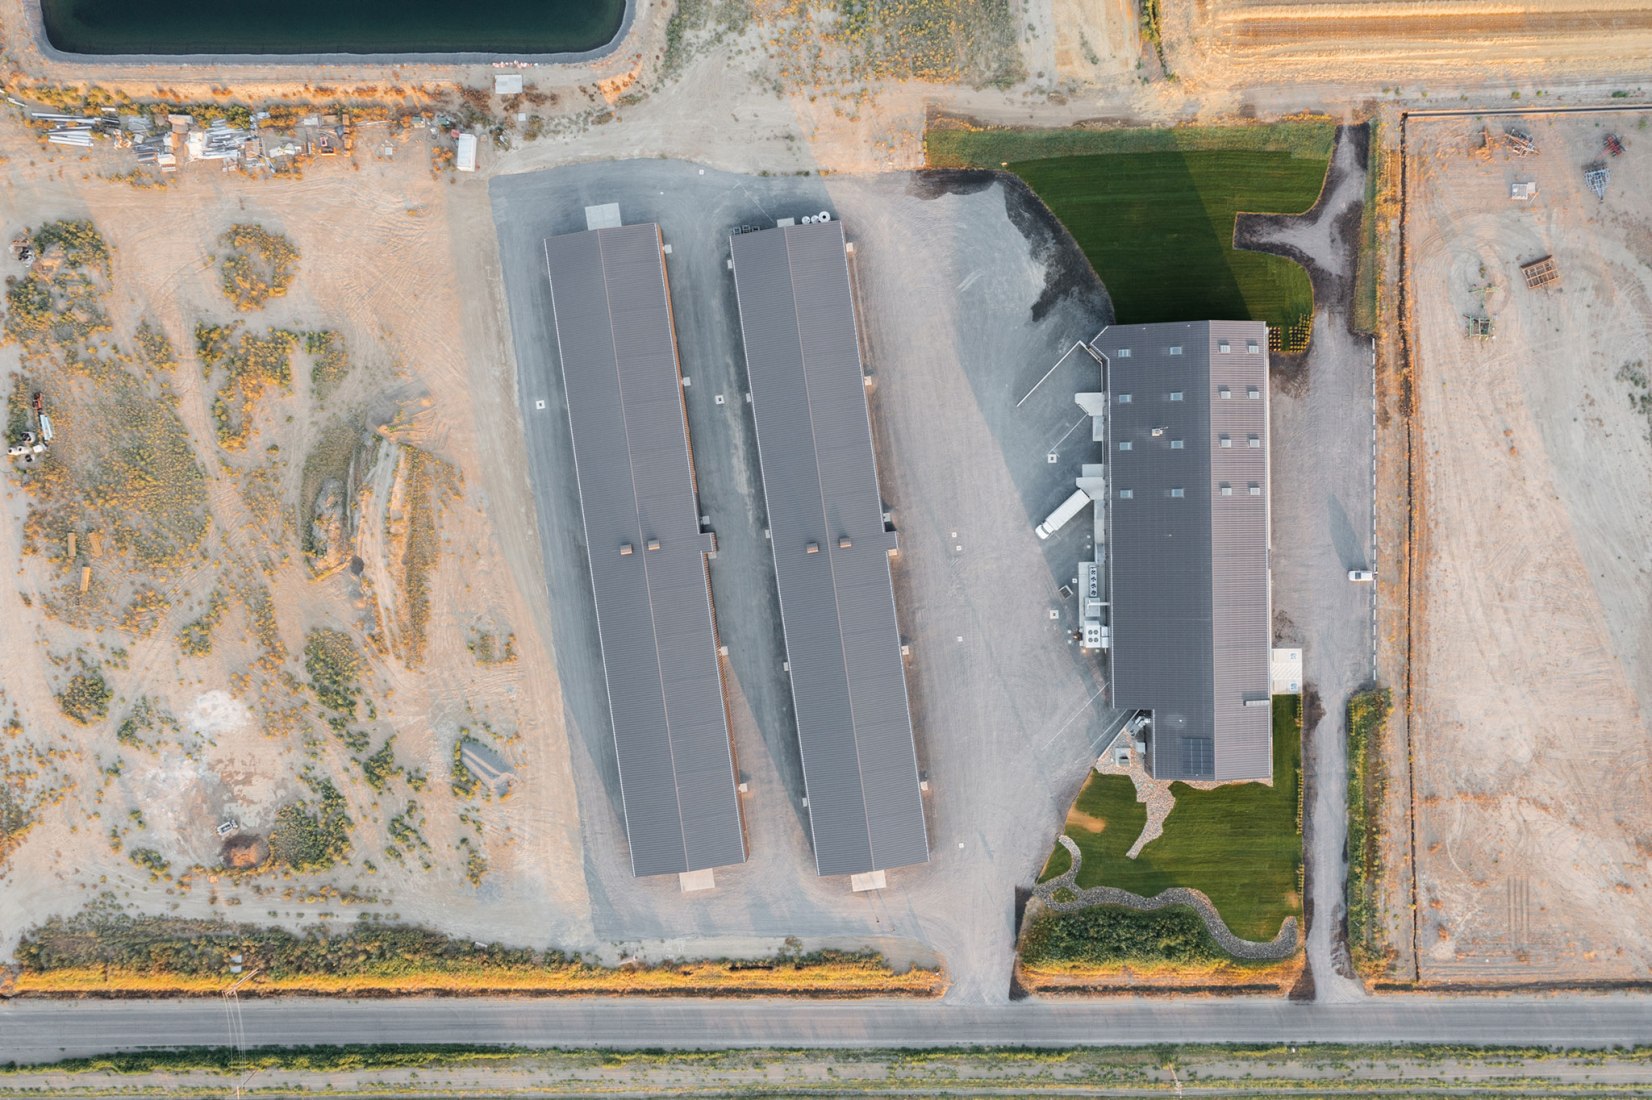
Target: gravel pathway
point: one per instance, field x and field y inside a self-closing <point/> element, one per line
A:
<point x="1282" y="946"/>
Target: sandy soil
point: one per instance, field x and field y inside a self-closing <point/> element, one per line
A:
<point x="1533" y="674"/>
<point x="386" y="250"/>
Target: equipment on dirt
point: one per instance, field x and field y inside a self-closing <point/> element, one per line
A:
<point x="1540" y="272"/>
<point x="1517" y="142"/>
<point x="1596" y="175"/>
<point x="1480" y="327"/>
<point x="1523" y="190"/>
<point x="22" y="249"/>
<point x="1614" y="145"/>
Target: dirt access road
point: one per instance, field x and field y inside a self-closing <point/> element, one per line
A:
<point x="1532" y="578"/>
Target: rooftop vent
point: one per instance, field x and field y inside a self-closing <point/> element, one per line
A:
<point x="653" y="544"/>
<point x="625" y="549"/>
<point x="812" y="548"/>
<point x="843" y="543"/>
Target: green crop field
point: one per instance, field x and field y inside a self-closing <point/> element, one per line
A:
<point x="1241" y="843"/>
<point x="1153" y="210"/>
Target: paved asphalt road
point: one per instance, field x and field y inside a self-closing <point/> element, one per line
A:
<point x="48" y="1030"/>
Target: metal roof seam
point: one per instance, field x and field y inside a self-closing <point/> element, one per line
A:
<point x="596" y="596"/>
<point x="780" y="593"/>
<point x="653" y="621"/>
<point x="831" y="567"/>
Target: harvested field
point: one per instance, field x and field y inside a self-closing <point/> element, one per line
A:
<point x="1531" y="642"/>
<point x="1235" y="41"/>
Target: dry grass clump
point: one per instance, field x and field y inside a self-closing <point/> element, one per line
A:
<point x="145" y="612"/>
<point x="154" y="349"/>
<point x="330" y="361"/>
<point x="59" y="303"/>
<point x="334" y="665"/>
<point x="29" y="781"/>
<point x="195" y="637"/>
<point x="86" y="697"/>
<point x="492" y="647"/>
<point x="147" y="719"/>
<point x="411" y="533"/>
<point x="105" y="951"/>
<point x="839" y="46"/>
<point x="252" y="363"/>
<point x="143" y="475"/>
<point x="312" y="836"/>
<point x="259" y="265"/>
<point x="326" y="495"/>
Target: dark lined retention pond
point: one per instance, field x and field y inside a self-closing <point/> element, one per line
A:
<point x="516" y="27"/>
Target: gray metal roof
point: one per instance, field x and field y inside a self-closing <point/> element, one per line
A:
<point x="636" y="489"/>
<point x="1189" y="578"/>
<point x="831" y="549"/>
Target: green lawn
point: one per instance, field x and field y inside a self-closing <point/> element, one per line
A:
<point x="1241" y="843"/>
<point x="1153" y="209"/>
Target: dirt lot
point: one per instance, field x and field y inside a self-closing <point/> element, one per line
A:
<point x="413" y="431"/>
<point x="1533" y="647"/>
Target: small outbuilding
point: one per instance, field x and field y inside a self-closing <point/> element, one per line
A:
<point x="465" y="155"/>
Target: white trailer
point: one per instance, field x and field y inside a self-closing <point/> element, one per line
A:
<point x="1057" y="519"/>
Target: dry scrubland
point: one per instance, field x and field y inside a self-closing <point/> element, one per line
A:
<point x="254" y="581"/>
<point x="1532" y="645"/>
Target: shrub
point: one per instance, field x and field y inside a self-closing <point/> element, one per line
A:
<point x="259" y="265"/>
<point x="1367" y="785"/>
<point x="312" y="837"/>
<point x="1110" y="934"/>
<point x="151" y="861"/>
<point x="86" y="697"/>
<point x="334" y="666"/>
<point x="380" y="768"/>
<point x="195" y="637"/>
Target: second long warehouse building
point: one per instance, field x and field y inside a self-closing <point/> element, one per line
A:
<point x="831" y="550"/>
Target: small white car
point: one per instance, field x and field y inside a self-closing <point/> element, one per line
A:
<point x="1361" y="576"/>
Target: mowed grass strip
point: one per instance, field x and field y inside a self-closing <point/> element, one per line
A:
<point x="1153" y="210"/>
<point x="1241" y="843"/>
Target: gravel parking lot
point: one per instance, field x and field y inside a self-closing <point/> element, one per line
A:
<point x="967" y="295"/>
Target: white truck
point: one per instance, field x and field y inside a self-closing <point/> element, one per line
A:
<point x="1057" y="519"/>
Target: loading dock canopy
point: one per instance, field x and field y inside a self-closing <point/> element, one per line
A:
<point x="831" y="549"/>
<point x="647" y="552"/>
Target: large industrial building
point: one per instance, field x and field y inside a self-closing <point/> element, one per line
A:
<point x="831" y="546"/>
<point x="1180" y="590"/>
<point x="647" y="550"/>
<point x="1188" y="584"/>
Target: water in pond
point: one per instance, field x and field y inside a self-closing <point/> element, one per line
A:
<point x="330" y="26"/>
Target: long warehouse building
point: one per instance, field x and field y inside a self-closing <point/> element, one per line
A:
<point x="1189" y="583"/>
<point x="637" y="493"/>
<point x="831" y="549"/>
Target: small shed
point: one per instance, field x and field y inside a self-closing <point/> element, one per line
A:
<point x="465" y="157"/>
<point x="1523" y="191"/>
